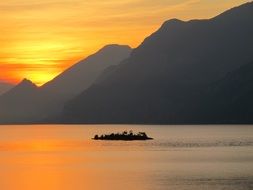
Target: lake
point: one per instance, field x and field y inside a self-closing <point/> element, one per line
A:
<point x="63" y="157"/>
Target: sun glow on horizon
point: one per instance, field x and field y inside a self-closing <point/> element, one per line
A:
<point x="40" y="39"/>
<point x="41" y="61"/>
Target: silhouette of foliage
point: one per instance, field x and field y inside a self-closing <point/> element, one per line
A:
<point x="126" y="136"/>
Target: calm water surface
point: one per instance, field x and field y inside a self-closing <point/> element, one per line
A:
<point x="63" y="157"/>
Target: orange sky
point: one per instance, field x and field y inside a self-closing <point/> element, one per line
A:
<point x="41" y="38"/>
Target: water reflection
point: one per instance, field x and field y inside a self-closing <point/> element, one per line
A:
<point x="65" y="158"/>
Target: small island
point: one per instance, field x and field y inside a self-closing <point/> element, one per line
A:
<point x="124" y="136"/>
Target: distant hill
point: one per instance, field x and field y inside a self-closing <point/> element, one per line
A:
<point x="81" y="75"/>
<point x="18" y="103"/>
<point x="4" y="87"/>
<point x="27" y="103"/>
<point x="166" y="79"/>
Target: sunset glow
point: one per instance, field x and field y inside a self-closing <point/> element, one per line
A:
<point x="39" y="39"/>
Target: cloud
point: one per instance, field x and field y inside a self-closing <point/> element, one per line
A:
<point x="31" y="5"/>
<point x="44" y="37"/>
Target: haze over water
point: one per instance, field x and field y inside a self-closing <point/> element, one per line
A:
<point x="63" y="157"/>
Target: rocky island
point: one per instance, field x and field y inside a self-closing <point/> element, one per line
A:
<point x="125" y="136"/>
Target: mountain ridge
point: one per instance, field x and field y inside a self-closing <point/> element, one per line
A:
<point x="106" y="56"/>
<point x="27" y="103"/>
<point x="164" y="76"/>
<point x="5" y="87"/>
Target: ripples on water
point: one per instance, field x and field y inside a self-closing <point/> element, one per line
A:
<point x="180" y="158"/>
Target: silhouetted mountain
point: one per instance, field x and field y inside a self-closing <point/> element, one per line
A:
<point x="4" y="87"/>
<point x="27" y="103"/>
<point x="166" y="78"/>
<point x="18" y="102"/>
<point x="81" y="75"/>
<point x="24" y="87"/>
<point x="230" y="99"/>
